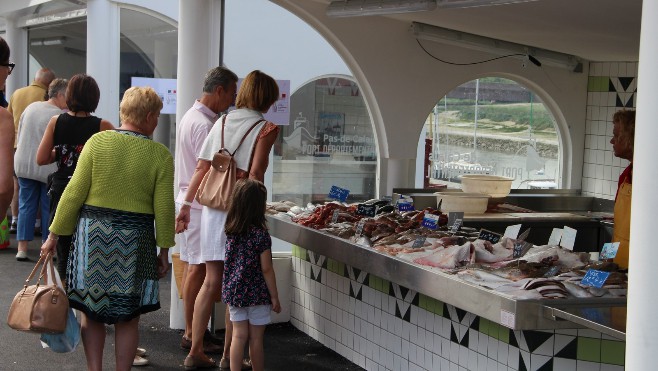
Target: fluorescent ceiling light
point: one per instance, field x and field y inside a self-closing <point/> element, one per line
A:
<point x="48" y="41"/>
<point x="356" y="8"/>
<point x="476" y="3"/>
<point x="424" y="31"/>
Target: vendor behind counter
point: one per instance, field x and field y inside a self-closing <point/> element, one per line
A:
<point x="622" y="141"/>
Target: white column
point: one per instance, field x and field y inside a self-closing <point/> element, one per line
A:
<point x="642" y="328"/>
<point x="103" y="55"/>
<point x="198" y="51"/>
<point x="17" y="40"/>
<point x="396" y="173"/>
<point x="164" y="67"/>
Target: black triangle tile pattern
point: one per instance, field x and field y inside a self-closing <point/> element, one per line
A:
<point x="512" y="339"/>
<point x="460" y="314"/>
<point x="356" y="290"/>
<point x="475" y="325"/>
<point x="611" y="86"/>
<point x="403" y="291"/>
<point x="548" y="366"/>
<point x="628" y="104"/>
<point x="626" y="82"/>
<point x="416" y="300"/>
<point x="402" y="310"/>
<point x="522" y="365"/>
<point x="535" y="338"/>
<point x="318" y="277"/>
<point x="453" y="334"/>
<point x="464" y="341"/>
<point x="570" y="351"/>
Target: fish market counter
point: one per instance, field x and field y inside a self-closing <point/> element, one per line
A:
<point x="382" y="312"/>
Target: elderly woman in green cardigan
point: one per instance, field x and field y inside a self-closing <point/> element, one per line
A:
<point x="118" y="206"/>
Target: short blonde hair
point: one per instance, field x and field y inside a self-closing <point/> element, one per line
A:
<point x="258" y="91"/>
<point x="137" y="103"/>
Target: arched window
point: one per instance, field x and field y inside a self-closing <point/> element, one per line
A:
<point x="492" y="126"/>
<point x="330" y="141"/>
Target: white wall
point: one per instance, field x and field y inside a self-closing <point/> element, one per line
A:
<point x="601" y="169"/>
<point x="401" y="84"/>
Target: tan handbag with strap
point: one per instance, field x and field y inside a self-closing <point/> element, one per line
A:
<point x="40" y="308"/>
<point x="217" y="185"/>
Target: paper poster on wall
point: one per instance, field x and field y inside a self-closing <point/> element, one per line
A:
<point x="279" y="113"/>
<point x="166" y="89"/>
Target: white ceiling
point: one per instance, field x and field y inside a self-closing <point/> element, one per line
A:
<point x="596" y="30"/>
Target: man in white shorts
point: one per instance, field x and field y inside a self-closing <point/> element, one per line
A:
<point x="219" y="89"/>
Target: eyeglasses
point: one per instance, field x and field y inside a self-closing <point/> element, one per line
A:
<point x="10" y="66"/>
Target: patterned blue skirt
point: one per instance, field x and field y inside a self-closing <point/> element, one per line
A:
<point x="112" y="268"/>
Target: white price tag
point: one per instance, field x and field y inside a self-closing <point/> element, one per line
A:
<point x="568" y="238"/>
<point x="555" y="238"/>
<point x="512" y="231"/>
<point x="507" y="319"/>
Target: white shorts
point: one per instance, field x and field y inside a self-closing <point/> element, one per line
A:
<point x="213" y="238"/>
<point x="190" y="240"/>
<point x="257" y="315"/>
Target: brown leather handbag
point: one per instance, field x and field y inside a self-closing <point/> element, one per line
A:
<point x="217" y="185"/>
<point x="40" y="308"/>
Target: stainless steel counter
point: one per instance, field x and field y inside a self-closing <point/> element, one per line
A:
<point x="513" y="313"/>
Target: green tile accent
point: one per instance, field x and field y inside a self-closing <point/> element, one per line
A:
<point x="439" y="308"/>
<point x="589" y="349"/>
<point x="494" y="328"/>
<point x="598" y="83"/>
<point x="373" y="282"/>
<point x="302" y="254"/>
<point x="503" y="334"/>
<point x="484" y="325"/>
<point x="422" y="301"/>
<point x="613" y="352"/>
<point x="385" y="286"/>
<point x="331" y="264"/>
<point x="430" y="303"/>
<point x="340" y="269"/>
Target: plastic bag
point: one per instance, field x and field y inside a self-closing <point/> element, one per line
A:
<point x="67" y="341"/>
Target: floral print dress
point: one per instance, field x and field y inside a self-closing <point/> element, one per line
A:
<point x="244" y="283"/>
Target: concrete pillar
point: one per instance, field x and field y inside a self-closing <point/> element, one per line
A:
<point x="198" y="51"/>
<point x="642" y="328"/>
<point x="103" y="55"/>
<point x="17" y="40"/>
<point x="396" y="173"/>
<point x="164" y="67"/>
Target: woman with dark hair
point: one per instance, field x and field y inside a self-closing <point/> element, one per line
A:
<point x="62" y="142"/>
<point x="6" y="138"/>
<point x="258" y="92"/>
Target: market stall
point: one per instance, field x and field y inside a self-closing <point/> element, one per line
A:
<point x="376" y="309"/>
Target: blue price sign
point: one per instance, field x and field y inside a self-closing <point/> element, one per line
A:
<point x="405" y="206"/>
<point x="431" y="221"/>
<point x="595" y="278"/>
<point x="338" y="193"/>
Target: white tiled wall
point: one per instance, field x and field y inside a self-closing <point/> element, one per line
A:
<point x="601" y="169"/>
<point x="389" y="329"/>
